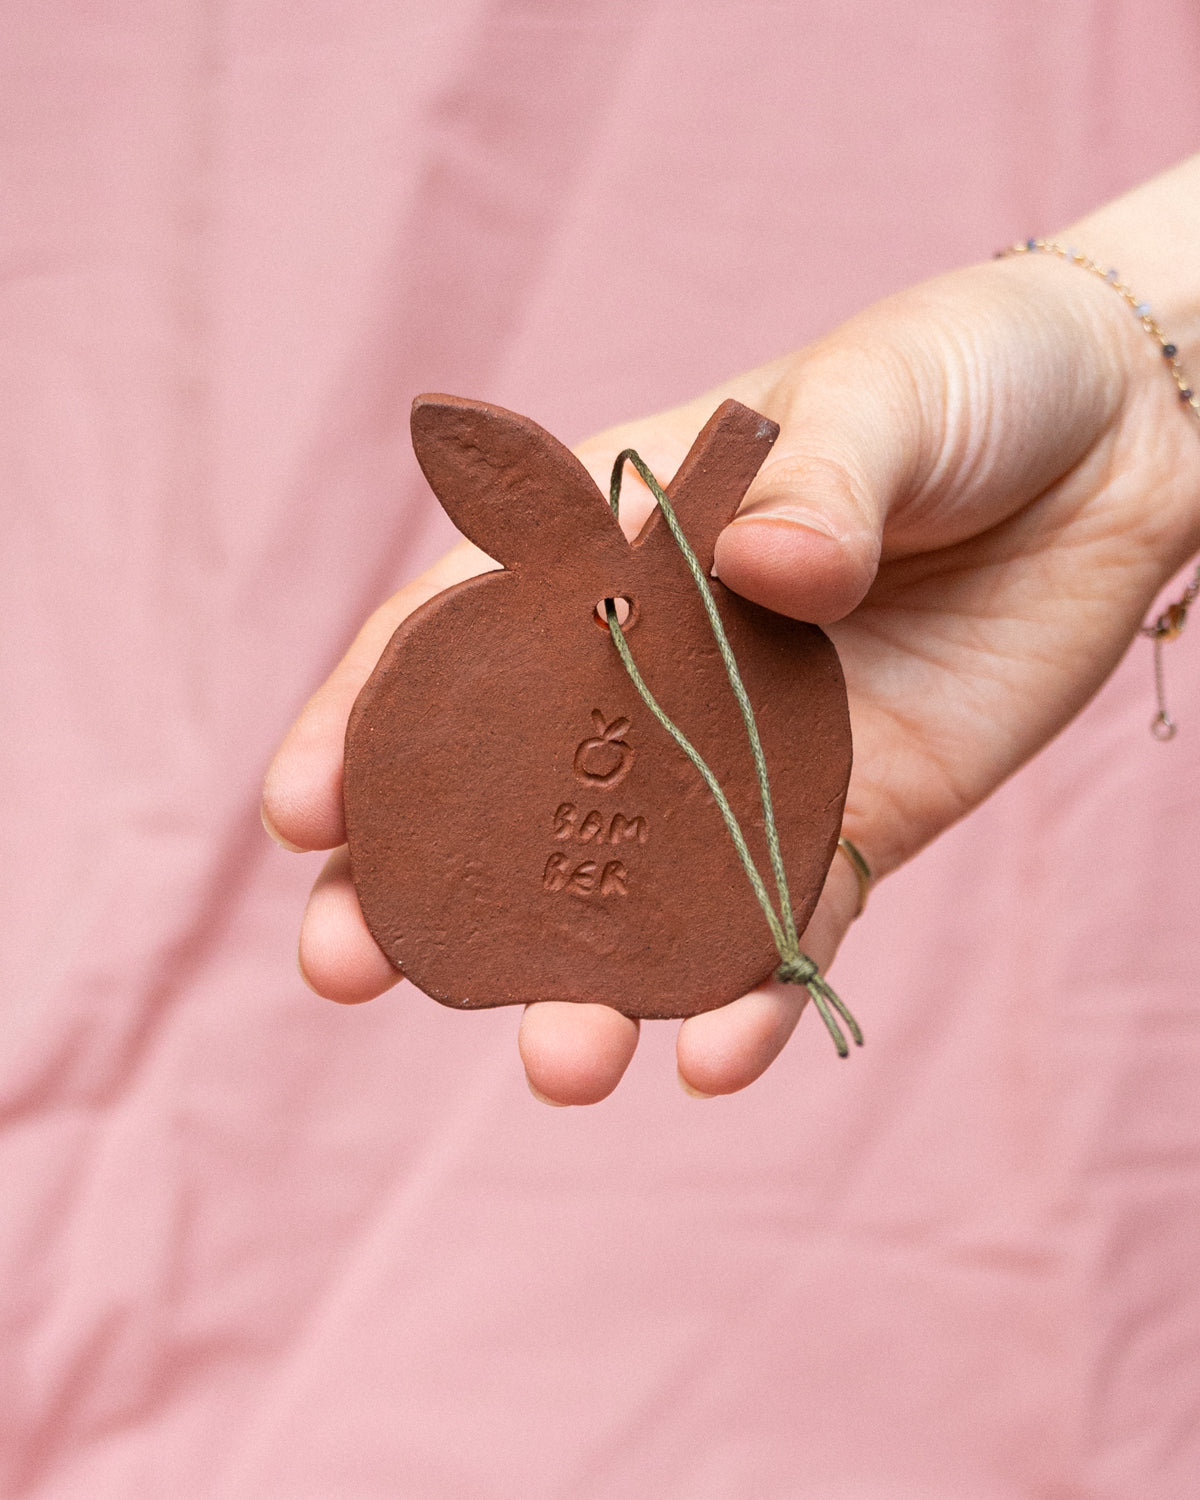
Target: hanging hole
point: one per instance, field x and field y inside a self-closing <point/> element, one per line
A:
<point x="627" y="612"/>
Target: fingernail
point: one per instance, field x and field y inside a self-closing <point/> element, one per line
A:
<point x="541" y="1098"/>
<point x="275" y="835"/>
<point x="772" y="509"/>
<point x="688" y="1089"/>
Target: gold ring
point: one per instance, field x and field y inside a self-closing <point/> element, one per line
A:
<point x="862" y="872"/>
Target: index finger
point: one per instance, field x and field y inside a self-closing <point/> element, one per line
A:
<point x="302" y="791"/>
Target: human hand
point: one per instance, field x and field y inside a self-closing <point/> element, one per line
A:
<point x="978" y="488"/>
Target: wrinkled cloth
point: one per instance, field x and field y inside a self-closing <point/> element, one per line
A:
<point x="254" y="1246"/>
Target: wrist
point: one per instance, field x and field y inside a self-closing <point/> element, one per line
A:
<point x="1164" y="342"/>
<point x="1151" y="236"/>
<point x="1147" y="323"/>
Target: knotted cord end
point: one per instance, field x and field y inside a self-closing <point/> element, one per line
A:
<point x="797" y="970"/>
<point x="800" y="969"/>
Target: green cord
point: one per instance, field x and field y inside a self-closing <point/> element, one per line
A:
<point x="795" y="967"/>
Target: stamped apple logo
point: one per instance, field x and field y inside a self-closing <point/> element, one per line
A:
<point x="605" y="758"/>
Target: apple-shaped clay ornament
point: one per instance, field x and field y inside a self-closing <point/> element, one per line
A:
<point x="521" y="827"/>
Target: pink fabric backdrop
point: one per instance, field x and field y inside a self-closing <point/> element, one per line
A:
<point x="254" y="1246"/>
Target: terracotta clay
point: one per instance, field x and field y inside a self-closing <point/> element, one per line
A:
<point x="520" y="826"/>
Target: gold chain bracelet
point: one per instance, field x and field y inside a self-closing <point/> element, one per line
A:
<point x="1170" y="623"/>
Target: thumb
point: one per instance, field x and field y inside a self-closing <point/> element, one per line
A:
<point x="806" y="541"/>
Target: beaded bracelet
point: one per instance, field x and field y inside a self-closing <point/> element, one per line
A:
<point x="1170" y="623"/>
